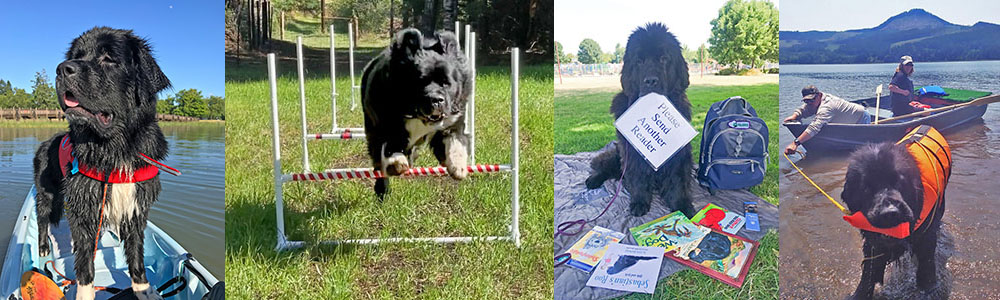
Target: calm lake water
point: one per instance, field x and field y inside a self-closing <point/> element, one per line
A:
<point x="821" y="255"/>
<point x="191" y="208"/>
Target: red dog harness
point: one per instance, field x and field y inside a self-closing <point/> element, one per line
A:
<point x="117" y="175"/>
<point x="933" y="157"/>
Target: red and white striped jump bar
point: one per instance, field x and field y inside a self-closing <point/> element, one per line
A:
<point x="339" y="134"/>
<point x="354" y="173"/>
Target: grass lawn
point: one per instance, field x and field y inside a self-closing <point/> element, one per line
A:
<point x="308" y="27"/>
<point x="585" y="119"/>
<point x="420" y="207"/>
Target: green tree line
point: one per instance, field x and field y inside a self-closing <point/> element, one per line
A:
<point x="744" y="33"/>
<point x="499" y="25"/>
<point x="188" y="102"/>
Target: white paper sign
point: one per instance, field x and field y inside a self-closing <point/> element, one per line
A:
<point x="628" y="268"/>
<point x="654" y="127"/>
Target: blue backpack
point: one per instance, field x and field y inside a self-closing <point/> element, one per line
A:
<point x="733" y="146"/>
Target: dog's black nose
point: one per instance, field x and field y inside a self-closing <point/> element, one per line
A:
<point x="67" y="68"/>
<point x="650" y="81"/>
<point x="437" y="99"/>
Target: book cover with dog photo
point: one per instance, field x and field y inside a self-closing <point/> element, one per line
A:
<point x="587" y="252"/>
<point x="719" y="255"/>
<point x="628" y="268"/>
<point x="668" y="232"/>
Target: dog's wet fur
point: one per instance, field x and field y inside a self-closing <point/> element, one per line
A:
<point x="652" y="64"/>
<point x="883" y="182"/>
<point x="111" y="79"/>
<point x="415" y="93"/>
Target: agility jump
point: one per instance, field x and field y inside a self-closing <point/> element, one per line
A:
<point x="347" y="133"/>
<point x="281" y="178"/>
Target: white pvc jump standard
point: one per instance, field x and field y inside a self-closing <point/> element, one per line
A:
<point x="336" y="174"/>
<point x="350" y="56"/>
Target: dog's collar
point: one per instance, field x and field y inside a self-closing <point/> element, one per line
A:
<point x="933" y="156"/>
<point x="66" y="158"/>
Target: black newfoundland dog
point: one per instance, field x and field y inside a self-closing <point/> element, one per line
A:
<point x="107" y="86"/>
<point x="883" y="184"/>
<point x="652" y="64"/>
<point x="414" y="93"/>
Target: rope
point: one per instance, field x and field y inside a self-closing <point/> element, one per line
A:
<point x="841" y="207"/>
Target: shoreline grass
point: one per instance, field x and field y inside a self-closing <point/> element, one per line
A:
<point x="63" y="124"/>
<point x="421" y="207"/>
<point x="585" y="118"/>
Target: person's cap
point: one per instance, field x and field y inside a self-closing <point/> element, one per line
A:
<point x="809" y="92"/>
<point x="906" y="59"/>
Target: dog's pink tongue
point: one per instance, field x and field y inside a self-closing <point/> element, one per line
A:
<point x="70" y="101"/>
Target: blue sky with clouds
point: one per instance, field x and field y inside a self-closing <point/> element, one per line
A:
<point x="187" y="37"/>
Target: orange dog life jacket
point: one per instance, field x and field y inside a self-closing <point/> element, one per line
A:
<point x="933" y="157"/>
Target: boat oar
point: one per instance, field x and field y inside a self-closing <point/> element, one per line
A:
<point x="878" y="102"/>
<point x="977" y="102"/>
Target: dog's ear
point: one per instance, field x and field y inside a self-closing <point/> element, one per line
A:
<point x="678" y="72"/>
<point x="447" y="44"/>
<point x="847" y="195"/>
<point x="407" y="43"/>
<point x="148" y="70"/>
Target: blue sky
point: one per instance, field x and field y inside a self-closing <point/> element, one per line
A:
<point x="187" y="37"/>
<point x="804" y="15"/>
<point x="611" y="22"/>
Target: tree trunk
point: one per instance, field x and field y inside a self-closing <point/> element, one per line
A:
<point x="392" y="17"/>
<point x="427" y="19"/>
<point x="322" y="16"/>
<point x="450" y="11"/>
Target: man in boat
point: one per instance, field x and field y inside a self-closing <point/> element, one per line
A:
<point x="828" y="109"/>
<point x="902" y="87"/>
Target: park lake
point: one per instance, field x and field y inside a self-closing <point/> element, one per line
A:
<point x="190" y="207"/>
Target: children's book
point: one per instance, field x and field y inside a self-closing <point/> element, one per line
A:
<point x="628" y="268"/>
<point x="719" y="255"/>
<point x="718" y="218"/>
<point x="668" y="232"/>
<point x="587" y="252"/>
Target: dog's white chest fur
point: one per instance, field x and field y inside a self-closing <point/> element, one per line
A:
<point x="121" y="204"/>
<point x="420" y="131"/>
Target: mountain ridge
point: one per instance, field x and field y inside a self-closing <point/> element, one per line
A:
<point x="916" y="32"/>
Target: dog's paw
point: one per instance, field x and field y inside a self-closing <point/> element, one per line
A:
<point x="927" y="286"/>
<point x="381" y="188"/>
<point x="85" y="292"/>
<point x="594" y="181"/>
<point x="146" y="294"/>
<point x="457" y="159"/>
<point x="396" y="164"/>
<point x="43" y="247"/>
<point x="638" y="209"/>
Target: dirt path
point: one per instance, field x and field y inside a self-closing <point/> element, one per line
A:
<point x="612" y="83"/>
